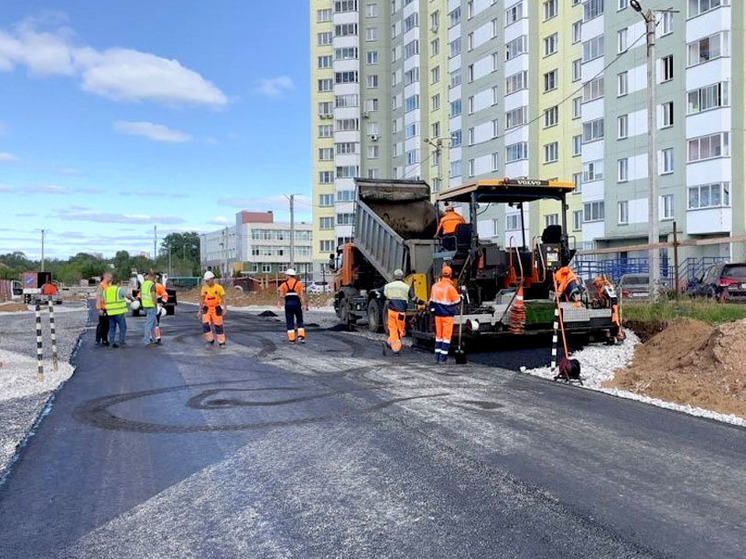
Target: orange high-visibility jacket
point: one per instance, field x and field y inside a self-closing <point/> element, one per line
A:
<point x="448" y="223"/>
<point x="564" y="276"/>
<point x="444" y="298"/>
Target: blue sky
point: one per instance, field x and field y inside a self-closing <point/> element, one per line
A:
<point x="132" y="114"/>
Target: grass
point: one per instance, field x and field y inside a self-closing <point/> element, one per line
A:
<point x="707" y="311"/>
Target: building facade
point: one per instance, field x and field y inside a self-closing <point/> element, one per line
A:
<point x="452" y="91"/>
<point x="256" y="245"/>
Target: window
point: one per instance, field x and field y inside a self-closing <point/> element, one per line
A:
<point x="345" y="219"/>
<point x="577" y="28"/>
<point x="411" y="48"/>
<point x="516" y="47"/>
<point x="593" y="130"/>
<point x="577" y="67"/>
<point x="325" y="131"/>
<point x="516" y="117"/>
<point x="326" y="154"/>
<point x="709" y="196"/>
<point x="349" y="100"/>
<point x="495" y="128"/>
<point x="412" y="157"/>
<point x="551" y="116"/>
<point x="495" y="61"/>
<point x="550" y="44"/>
<point x="577" y="220"/>
<point x="326" y="85"/>
<point x="621" y="40"/>
<point x="348" y="172"/>
<point x="435" y="75"/>
<point x="470" y="72"/>
<point x="434" y="20"/>
<point x="348" y="125"/>
<point x="371" y="57"/>
<point x="372" y="152"/>
<point x="551" y="219"/>
<point x="622" y="127"/>
<point x="516" y="82"/>
<point x="345" y="196"/>
<point x="709" y="147"/>
<point x="326" y="246"/>
<point x="326" y="200"/>
<point x="577" y="107"/>
<point x="593" y="171"/>
<point x="622" y="4"/>
<point x="495" y="161"/>
<point x="454" y="17"/>
<point x="667" y="63"/>
<point x="346" y="148"/>
<point x="550" y="80"/>
<point x="345" y="77"/>
<point x="470" y="105"/>
<point x="666" y="161"/>
<point x="709" y="48"/>
<point x="371" y="105"/>
<point x="455" y="138"/>
<point x="323" y="15"/>
<point x="667" y="23"/>
<point x="410" y="22"/>
<point x="454" y="47"/>
<point x="371" y="34"/>
<point x="371" y="10"/>
<point x="551" y="152"/>
<point x="667" y="116"/>
<point x="434" y="47"/>
<point x="623" y="213"/>
<point x="373" y="128"/>
<point x="512" y="222"/>
<point x="345" y="6"/>
<point x="622" y="170"/>
<point x="410" y="130"/>
<point x="577" y="180"/>
<point x="592" y="9"/>
<point x="345" y="30"/>
<point x="412" y="76"/>
<point x="455" y="170"/>
<point x="326" y="223"/>
<point x="593" y="89"/>
<point x="550" y="9"/>
<point x="667" y="206"/>
<point x="435" y="102"/>
<point x="593" y="48"/>
<point x="347" y="53"/>
<point x="577" y="145"/>
<point x="622" y="84"/>
<point x="455" y="108"/>
<point x="471" y="136"/>
<point x="472" y="167"/>
<point x="325" y="61"/>
<point x="371" y="81"/>
<point x="708" y="97"/>
<point x="514" y="13"/>
<point x="455" y="77"/>
<point x="470" y="41"/>
<point x="593" y="211"/>
<point x="697" y="7"/>
<point x="323" y="39"/>
<point x="516" y="152"/>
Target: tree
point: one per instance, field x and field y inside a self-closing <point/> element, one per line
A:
<point x="184" y="248"/>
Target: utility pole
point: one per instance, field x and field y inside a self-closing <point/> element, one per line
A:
<point x="437" y="143"/>
<point x="225" y="252"/>
<point x="42" y="250"/>
<point x="653" y="215"/>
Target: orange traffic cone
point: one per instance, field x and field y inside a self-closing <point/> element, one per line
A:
<point x="518" y="313"/>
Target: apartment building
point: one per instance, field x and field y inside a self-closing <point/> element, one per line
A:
<point x="456" y="90"/>
<point x="256" y="245"/>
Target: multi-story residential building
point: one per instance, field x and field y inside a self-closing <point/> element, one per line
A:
<point x="256" y="245"/>
<point x="457" y="90"/>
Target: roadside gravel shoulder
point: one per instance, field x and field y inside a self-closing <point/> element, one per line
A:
<point x="23" y="395"/>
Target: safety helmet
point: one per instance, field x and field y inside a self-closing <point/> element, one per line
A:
<point x="398" y="274"/>
<point x="290" y="272"/>
<point x="162" y="312"/>
<point x="446" y="272"/>
<point x="135" y="305"/>
<point x="208" y="276"/>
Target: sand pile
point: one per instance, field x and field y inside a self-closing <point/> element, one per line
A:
<point x="691" y="363"/>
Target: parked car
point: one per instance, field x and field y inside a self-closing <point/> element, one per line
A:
<point x="317" y="288"/>
<point x="723" y="282"/>
<point x="637" y="286"/>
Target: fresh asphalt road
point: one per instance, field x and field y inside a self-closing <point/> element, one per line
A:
<point x="331" y="450"/>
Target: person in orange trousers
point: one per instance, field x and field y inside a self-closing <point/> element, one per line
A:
<point x="397" y="294"/>
<point x="212" y="309"/>
<point x="444" y="304"/>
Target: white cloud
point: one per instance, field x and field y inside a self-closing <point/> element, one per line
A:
<point x="274" y="87"/>
<point x="105" y="217"/>
<point x="116" y="73"/>
<point x="220" y="220"/>
<point x="6" y="157"/>
<point x="156" y="132"/>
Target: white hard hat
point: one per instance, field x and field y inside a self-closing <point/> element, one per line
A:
<point x="290" y="272"/>
<point x="208" y="276"/>
<point x="134" y="305"/>
<point x="398" y="274"/>
<point x="162" y="312"/>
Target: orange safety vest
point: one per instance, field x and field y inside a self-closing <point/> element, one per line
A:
<point x="564" y="276"/>
<point x="295" y="291"/>
<point x="444" y="298"/>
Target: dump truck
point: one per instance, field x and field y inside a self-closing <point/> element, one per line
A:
<point x="395" y="225"/>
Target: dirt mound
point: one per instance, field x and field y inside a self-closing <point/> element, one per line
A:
<point x="692" y="363"/>
<point x="13" y="307"/>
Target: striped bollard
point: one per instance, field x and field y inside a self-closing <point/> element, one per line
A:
<point x="555" y="328"/>
<point x="53" y="333"/>
<point x="39" y="350"/>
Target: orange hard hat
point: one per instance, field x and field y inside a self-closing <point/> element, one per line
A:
<point x="446" y="272"/>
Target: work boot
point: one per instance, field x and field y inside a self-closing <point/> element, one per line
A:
<point x="222" y="346"/>
<point x="302" y="339"/>
<point x="210" y="344"/>
<point x="158" y="342"/>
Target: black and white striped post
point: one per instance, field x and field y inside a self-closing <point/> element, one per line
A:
<point x="39" y="350"/>
<point x="53" y="333"/>
<point x="555" y="328"/>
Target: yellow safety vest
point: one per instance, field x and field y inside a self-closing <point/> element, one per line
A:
<point x="146" y="295"/>
<point x="115" y="304"/>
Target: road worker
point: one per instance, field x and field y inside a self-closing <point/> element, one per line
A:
<point x="115" y="299"/>
<point x="102" y="328"/>
<point x="568" y="286"/>
<point x="606" y="297"/>
<point x="161" y="298"/>
<point x="444" y="304"/>
<point x="447" y="227"/>
<point x="397" y="294"/>
<point x="212" y="309"/>
<point x="291" y="290"/>
<point x="148" y="301"/>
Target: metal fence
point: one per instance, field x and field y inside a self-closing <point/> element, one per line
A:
<point x="689" y="268"/>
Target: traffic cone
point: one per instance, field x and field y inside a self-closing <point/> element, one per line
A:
<point x="518" y="313"/>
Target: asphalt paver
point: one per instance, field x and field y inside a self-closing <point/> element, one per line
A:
<point x="329" y="449"/>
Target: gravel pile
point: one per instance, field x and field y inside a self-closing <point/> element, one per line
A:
<point x="22" y="394"/>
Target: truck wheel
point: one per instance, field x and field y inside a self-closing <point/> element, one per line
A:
<point x="374" y="316"/>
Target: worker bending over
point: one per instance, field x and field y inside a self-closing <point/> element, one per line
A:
<point x="447" y="227"/>
<point x="212" y="309"/>
<point x="161" y="298"/>
<point x="397" y="294"/>
<point x="291" y="290"/>
<point x="444" y="304"/>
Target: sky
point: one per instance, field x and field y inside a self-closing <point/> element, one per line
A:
<point x="118" y="116"/>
